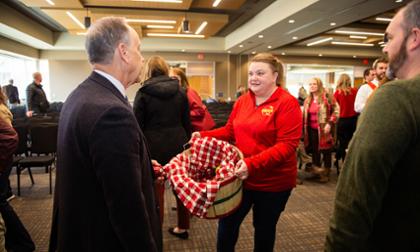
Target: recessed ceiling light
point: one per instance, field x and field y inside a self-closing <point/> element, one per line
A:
<point x="294" y="37"/>
<point x="155" y="21"/>
<point x="81" y="33"/>
<point x="380" y="43"/>
<point x="201" y="27"/>
<point x="160" y="26"/>
<point x="269" y="47"/>
<point x="398" y="1"/>
<point x="174" y="35"/>
<point x="254" y="52"/>
<point x="383" y="19"/>
<point x="333" y="23"/>
<point x="354" y="56"/>
<point x="261" y="36"/>
<point x="159" y="1"/>
<point x="359" y="33"/>
<point x="75" y="19"/>
<point x="283" y="53"/>
<point x="50" y="2"/>
<point x="291" y="21"/>
<point x="357" y="37"/>
<point x="229" y="51"/>
<point x="183" y="50"/>
<point x="320" y="55"/>
<point x="216" y="3"/>
<point x="319" y="41"/>
<point x="241" y="46"/>
<point x="350" y="43"/>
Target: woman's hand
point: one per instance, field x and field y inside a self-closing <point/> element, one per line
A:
<point x="241" y="170"/>
<point x="327" y="128"/>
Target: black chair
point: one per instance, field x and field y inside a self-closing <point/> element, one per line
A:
<point x="21" y="152"/>
<point x="44" y="146"/>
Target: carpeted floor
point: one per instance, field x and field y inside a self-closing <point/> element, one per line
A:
<point x="302" y="227"/>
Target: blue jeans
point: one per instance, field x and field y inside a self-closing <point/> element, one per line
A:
<point x="266" y="207"/>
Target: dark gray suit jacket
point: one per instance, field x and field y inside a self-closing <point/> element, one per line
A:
<point x="104" y="197"/>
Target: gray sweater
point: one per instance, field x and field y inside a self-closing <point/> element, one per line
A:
<point x="377" y="205"/>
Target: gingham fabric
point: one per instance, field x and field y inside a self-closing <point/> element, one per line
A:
<point x="196" y="177"/>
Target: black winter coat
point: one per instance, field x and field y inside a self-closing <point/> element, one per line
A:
<point x="162" y="111"/>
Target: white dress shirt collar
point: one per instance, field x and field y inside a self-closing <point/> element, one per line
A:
<point x="118" y="85"/>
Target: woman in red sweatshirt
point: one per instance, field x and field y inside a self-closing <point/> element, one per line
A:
<point x="265" y="124"/>
<point x="345" y="96"/>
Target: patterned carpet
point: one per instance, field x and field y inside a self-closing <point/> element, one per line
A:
<point x="302" y="226"/>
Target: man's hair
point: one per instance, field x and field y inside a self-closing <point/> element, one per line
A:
<point x="379" y="60"/>
<point x="411" y="14"/>
<point x="367" y="72"/>
<point x="103" y="37"/>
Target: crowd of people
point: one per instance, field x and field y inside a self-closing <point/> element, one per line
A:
<point x="109" y="194"/>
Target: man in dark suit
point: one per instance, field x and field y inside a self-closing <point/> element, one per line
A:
<point x="12" y="93"/>
<point x="35" y="97"/>
<point x="104" y="199"/>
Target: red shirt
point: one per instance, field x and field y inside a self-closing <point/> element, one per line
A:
<point x="346" y="103"/>
<point x="268" y="136"/>
<point x="313" y="115"/>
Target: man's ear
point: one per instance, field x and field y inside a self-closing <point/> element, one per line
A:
<point x="414" y="43"/>
<point x="122" y="50"/>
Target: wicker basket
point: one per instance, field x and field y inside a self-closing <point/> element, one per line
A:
<point x="228" y="197"/>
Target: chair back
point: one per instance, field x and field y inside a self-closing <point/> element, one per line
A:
<point x="44" y="138"/>
<point x="22" y="131"/>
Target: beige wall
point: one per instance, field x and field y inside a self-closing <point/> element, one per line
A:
<point x="11" y="46"/>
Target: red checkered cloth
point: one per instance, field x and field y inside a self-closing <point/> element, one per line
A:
<point x="196" y="176"/>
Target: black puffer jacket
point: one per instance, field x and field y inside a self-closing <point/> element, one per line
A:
<point x="161" y="109"/>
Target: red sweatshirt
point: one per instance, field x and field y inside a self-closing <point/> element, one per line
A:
<point x="346" y="103"/>
<point x="268" y="136"/>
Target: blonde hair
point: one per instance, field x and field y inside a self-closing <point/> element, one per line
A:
<point x="344" y="84"/>
<point x="275" y="64"/>
<point x="318" y="93"/>
<point x="155" y="66"/>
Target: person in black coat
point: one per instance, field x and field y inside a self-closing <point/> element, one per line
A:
<point x="35" y="96"/>
<point x="12" y="94"/>
<point x="104" y="198"/>
<point x="162" y="111"/>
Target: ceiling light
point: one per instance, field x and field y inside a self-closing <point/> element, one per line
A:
<point x="185" y="26"/>
<point x="183" y="50"/>
<point x="216" y="3"/>
<point x="261" y="36"/>
<point x="398" y="1"/>
<point x="75" y="19"/>
<point x="283" y="53"/>
<point x="383" y="45"/>
<point x="357" y="37"/>
<point x="319" y="41"/>
<point x="359" y="33"/>
<point x="333" y="23"/>
<point x="320" y="55"/>
<point x="254" y="52"/>
<point x="159" y="1"/>
<point x="156" y="21"/>
<point x="380" y="43"/>
<point x="81" y="33"/>
<point x="269" y="47"/>
<point x="291" y="21"/>
<point x="354" y="56"/>
<point x="383" y="19"/>
<point x="241" y="46"/>
<point x="50" y="2"/>
<point x="174" y="35"/>
<point x="294" y="37"/>
<point x="201" y="27"/>
<point x="350" y="43"/>
<point x="160" y="26"/>
<point x="229" y="51"/>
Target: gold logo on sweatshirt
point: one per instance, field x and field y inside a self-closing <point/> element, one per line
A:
<point x="267" y="111"/>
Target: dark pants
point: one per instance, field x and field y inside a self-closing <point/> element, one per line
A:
<point x="17" y="237"/>
<point x="266" y="207"/>
<point x="345" y="130"/>
<point x="183" y="214"/>
<point x="316" y="152"/>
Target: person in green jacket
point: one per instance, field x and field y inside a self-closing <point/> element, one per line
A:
<point x="377" y="205"/>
